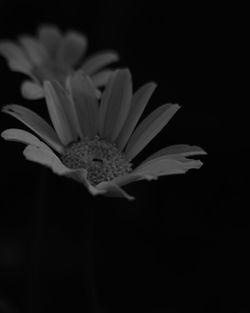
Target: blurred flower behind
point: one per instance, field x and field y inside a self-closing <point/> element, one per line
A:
<point x="95" y="140"/>
<point x="53" y="56"/>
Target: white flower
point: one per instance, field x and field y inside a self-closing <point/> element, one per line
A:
<point x="95" y="141"/>
<point x="53" y="56"/>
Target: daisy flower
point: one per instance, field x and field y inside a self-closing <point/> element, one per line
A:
<point x="95" y="140"/>
<point x="53" y="56"/>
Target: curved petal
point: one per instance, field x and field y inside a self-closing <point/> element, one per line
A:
<point x="101" y="79"/>
<point x="113" y="190"/>
<point x="96" y="62"/>
<point x="72" y="49"/>
<point x="34" y="49"/>
<point x="48" y="158"/>
<point x="139" y="102"/>
<point x="51" y="38"/>
<point x="165" y="166"/>
<point x="126" y="179"/>
<point x="115" y="104"/>
<point x="36" y="123"/>
<point x="20" y="135"/>
<point x="57" y="114"/>
<point x="86" y="104"/>
<point x="149" y="128"/>
<point x="15" y="56"/>
<point x="177" y="151"/>
<point x="31" y="90"/>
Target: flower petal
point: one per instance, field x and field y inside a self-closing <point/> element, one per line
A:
<point x="51" y="38"/>
<point x="115" y="104"/>
<point x="177" y="151"/>
<point x="47" y="157"/>
<point x="31" y="90"/>
<point x="126" y="179"/>
<point x="72" y="49"/>
<point x="36" y="123"/>
<point x="96" y="62"/>
<point x="149" y="128"/>
<point x="165" y="166"/>
<point x="139" y="102"/>
<point x="86" y="104"/>
<point x="113" y="190"/>
<point x="68" y="107"/>
<point x="15" y="56"/>
<point x="20" y="135"/>
<point x="58" y="117"/>
<point x="101" y="79"/>
<point x="34" y="49"/>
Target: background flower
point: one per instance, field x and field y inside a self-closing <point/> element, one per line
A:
<point x="53" y="55"/>
<point x="95" y="143"/>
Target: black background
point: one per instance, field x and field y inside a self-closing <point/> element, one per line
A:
<point x="183" y="244"/>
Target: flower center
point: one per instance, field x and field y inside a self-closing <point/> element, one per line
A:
<point x="102" y="160"/>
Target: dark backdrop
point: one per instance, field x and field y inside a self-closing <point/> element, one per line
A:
<point x="183" y="244"/>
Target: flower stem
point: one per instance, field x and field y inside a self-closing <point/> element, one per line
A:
<point x="93" y="303"/>
<point x="36" y="246"/>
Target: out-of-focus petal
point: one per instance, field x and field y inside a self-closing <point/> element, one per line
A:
<point x="58" y="117"/>
<point x="72" y="49"/>
<point x="111" y="189"/>
<point x="96" y="62"/>
<point x="51" y="37"/>
<point x="139" y="102"/>
<point x="15" y="56"/>
<point x="115" y="104"/>
<point x="34" y="49"/>
<point x="149" y="128"/>
<point x="32" y="90"/>
<point x="36" y="123"/>
<point x="86" y="104"/>
<point x="101" y="79"/>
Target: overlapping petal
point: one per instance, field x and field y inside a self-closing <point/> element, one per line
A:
<point x="59" y="118"/>
<point x="115" y="105"/>
<point x="73" y="48"/>
<point x="177" y="151"/>
<point x="96" y="62"/>
<point x="54" y="56"/>
<point x="32" y="90"/>
<point x="51" y="37"/>
<point x="15" y="56"/>
<point x="36" y="123"/>
<point x="139" y="102"/>
<point x="165" y="166"/>
<point x="101" y="78"/>
<point x="20" y="135"/>
<point x="34" y="50"/>
<point x="149" y="128"/>
<point x="111" y="189"/>
<point x="86" y="104"/>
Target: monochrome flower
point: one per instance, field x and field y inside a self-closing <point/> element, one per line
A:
<point x="96" y="140"/>
<point x="53" y="56"/>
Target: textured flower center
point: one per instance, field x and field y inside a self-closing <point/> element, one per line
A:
<point x="102" y="160"/>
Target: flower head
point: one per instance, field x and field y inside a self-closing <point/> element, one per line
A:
<point x="95" y="141"/>
<point x="54" y="56"/>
